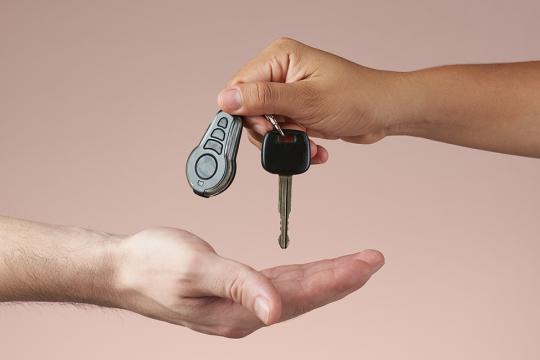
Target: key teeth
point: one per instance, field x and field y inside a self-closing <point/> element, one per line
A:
<point x="288" y="239"/>
<point x="286" y="243"/>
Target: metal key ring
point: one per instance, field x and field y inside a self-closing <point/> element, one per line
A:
<point x="274" y="122"/>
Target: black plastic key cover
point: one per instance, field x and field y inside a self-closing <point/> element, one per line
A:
<point x="286" y="158"/>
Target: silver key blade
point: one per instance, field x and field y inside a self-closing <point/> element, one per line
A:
<point x="285" y="190"/>
<point x="274" y="122"/>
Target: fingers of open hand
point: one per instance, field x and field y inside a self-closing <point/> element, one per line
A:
<point x="373" y="257"/>
<point x="309" y="286"/>
<point x="305" y="294"/>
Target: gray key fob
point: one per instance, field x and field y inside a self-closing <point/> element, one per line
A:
<point x="211" y="166"/>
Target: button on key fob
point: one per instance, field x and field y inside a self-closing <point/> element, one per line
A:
<point x="211" y="166"/>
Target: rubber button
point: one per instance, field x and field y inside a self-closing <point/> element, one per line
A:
<point x="214" y="145"/>
<point x="223" y="123"/>
<point x="206" y="166"/>
<point x="218" y="134"/>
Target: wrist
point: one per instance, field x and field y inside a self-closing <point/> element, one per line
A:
<point x="408" y="93"/>
<point x="91" y="264"/>
<point x="104" y="288"/>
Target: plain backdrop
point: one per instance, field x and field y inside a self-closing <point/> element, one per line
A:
<point x="101" y="102"/>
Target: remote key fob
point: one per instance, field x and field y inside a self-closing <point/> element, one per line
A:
<point x="211" y="166"/>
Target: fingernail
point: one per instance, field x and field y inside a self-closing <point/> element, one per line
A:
<point x="315" y="160"/>
<point x="231" y="99"/>
<point x="258" y="129"/>
<point x="262" y="308"/>
<point x="377" y="267"/>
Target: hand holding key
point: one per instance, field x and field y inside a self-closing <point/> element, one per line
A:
<point x="492" y="107"/>
<point x="314" y="91"/>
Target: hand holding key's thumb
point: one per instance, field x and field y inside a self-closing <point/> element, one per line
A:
<point x="266" y="97"/>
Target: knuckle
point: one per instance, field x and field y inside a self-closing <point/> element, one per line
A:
<point x="284" y="42"/>
<point x="190" y="274"/>
<point x="240" y="285"/>
<point x="233" y="81"/>
<point x="233" y="332"/>
<point x="192" y="260"/>
<point x="263" y="94"/>
<point x="284" y="45"/>
<point x="236" y="289"/>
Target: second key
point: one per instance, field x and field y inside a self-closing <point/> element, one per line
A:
<point x="286" y="156"/>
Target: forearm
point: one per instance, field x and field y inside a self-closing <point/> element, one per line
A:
<point x="493" y="107"/>
<point x="41" y="262"/>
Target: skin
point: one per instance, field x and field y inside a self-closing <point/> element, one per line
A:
<point x="174" y="276"/>
<point x="493" y="107"/>
<point x="169" y="275"/>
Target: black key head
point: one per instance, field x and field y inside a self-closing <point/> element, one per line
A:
<point x="289" y="155"/>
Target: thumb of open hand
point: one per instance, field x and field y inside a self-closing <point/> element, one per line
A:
<point x="228" y="279"/>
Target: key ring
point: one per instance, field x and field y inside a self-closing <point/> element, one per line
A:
<point x="274" y="122"/>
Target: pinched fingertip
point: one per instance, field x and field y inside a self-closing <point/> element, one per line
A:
<point x="259" y="124"/>
<point x="321" y="156"/>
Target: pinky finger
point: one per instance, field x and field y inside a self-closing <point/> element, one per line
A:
<point x="321" y="155"/>
<point x="255" y="138"/>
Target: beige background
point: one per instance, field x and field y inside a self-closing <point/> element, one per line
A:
<point x="102" y="101"/>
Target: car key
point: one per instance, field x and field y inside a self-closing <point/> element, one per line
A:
<point x="211" y="166"/>
<point x="286" y="156"/>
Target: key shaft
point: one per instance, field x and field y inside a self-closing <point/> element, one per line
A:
<point x="285" y="158"/>
<point x="285" y="192"/>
